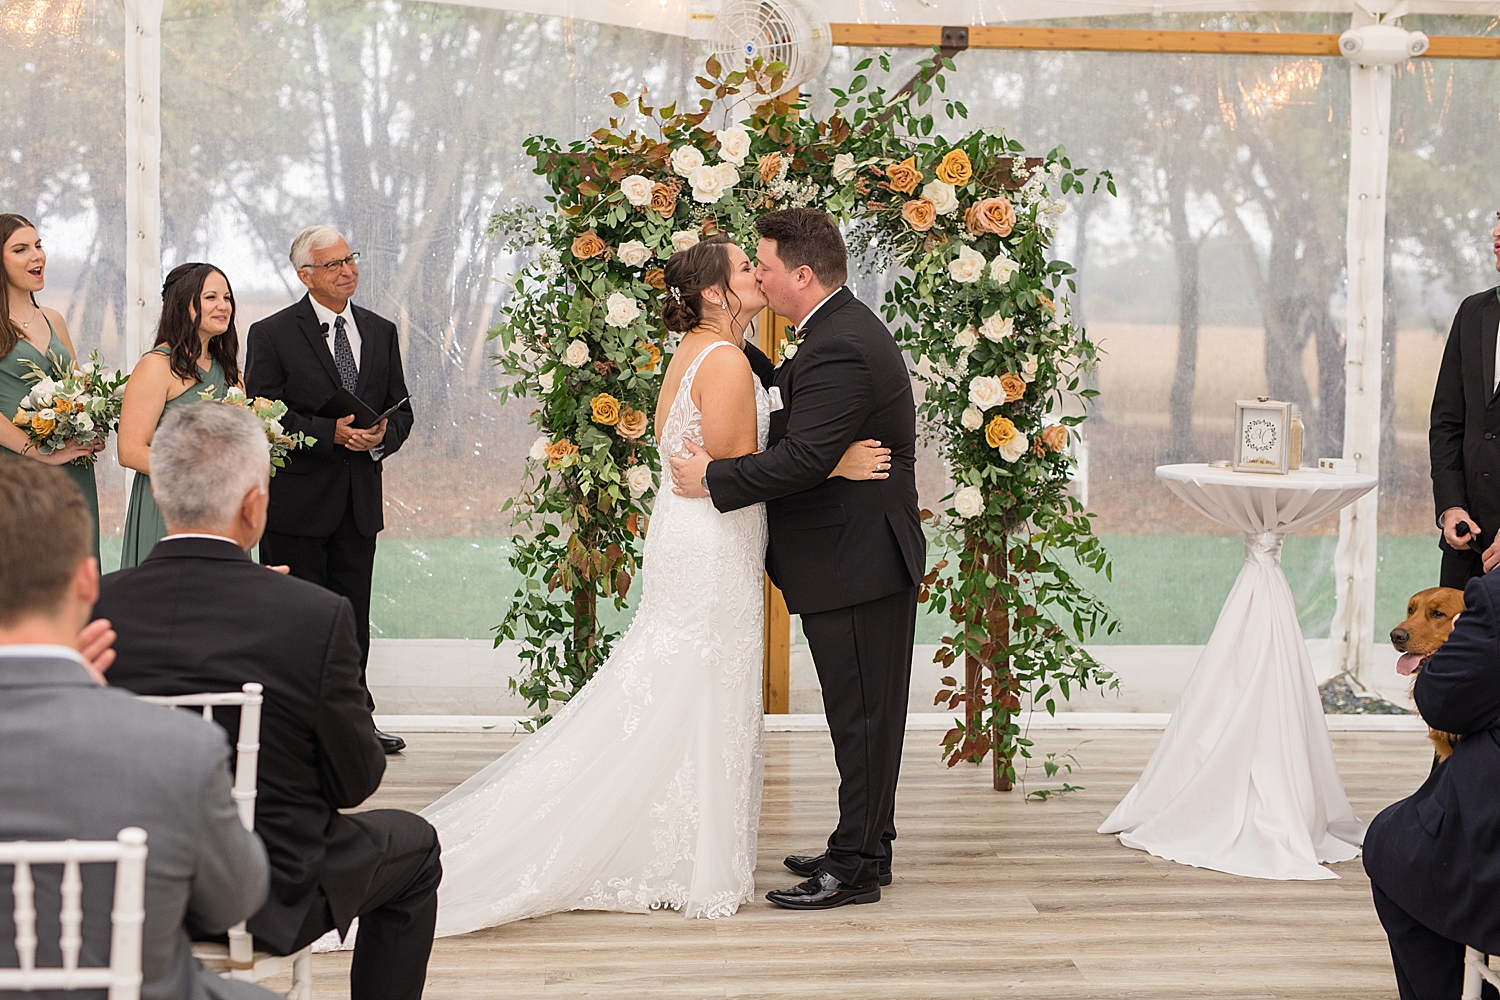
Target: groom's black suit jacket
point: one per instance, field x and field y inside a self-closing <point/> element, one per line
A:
<point x="834" y="543"/>
<point x="197" y="615"/>
<point x="287" y="358"/>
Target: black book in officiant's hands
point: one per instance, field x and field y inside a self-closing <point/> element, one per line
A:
<point x="343" y="403"/>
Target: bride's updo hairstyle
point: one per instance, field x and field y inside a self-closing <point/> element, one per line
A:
<point x="688" y="273"/>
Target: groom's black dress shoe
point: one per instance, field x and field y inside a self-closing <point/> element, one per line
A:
<point x="808" y="865"/>
<point x="823" y="892"/>
<point x="390" y="744"/>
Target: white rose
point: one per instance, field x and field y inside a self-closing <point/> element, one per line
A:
<point x="637" y="190"/>
<point x="634" y="254"/>
<point x="973" y="419"/>
<point x="684" y="239"/>
<point x="686" y="159"/>
<point x="638" y="478"/>
<point x="789" y="352"/>
<point x="967" y="502"/>
<point x="734" y="145"/>
<point x="1002" y="267"/>
<point x="707" y="185"/>
<point x="967" y="337"/>
<point x="942" y="197"/>
<point x="986" y="391"/>
<point x="967" y="266"/>
<point x="1029" y="367"/>
<point x="538" y="452"/>
<point x="843" y="167"/>
<point x="622" y="310"/>
<point x="85" y="423"/>
<point x="546" y="379"/>
<point x="1018" y="446"/>
<point x="576" y="356"/>
<point x="728" y="176"/>
<point x="996" y="328"/>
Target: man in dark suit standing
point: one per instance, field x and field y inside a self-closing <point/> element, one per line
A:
<point x="327" y="505"/>
<point x="1464" y="439"/>
<point x="849" y="556"/>
<point x="199" y="615"/>
<point x="1434" y="858"/>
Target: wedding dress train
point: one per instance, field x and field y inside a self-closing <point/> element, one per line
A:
<point x="644" y="791"/>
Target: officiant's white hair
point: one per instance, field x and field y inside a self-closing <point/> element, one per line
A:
<point x="310" y="239"/>
<point x="204" y="458"/>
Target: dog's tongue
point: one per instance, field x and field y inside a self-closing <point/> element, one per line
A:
<point x="1408" y="663"/>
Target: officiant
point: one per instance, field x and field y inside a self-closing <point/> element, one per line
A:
<point x="326" y="505"/>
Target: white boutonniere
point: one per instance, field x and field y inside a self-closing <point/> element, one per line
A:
<point x="789" y="349"/>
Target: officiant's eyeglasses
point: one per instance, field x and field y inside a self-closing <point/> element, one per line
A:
<point x="334" y="265"/>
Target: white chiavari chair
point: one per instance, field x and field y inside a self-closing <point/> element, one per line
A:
<point x="1477" y="972"/>
<point x="239" y="959"/>
<point x="122" y="977"/>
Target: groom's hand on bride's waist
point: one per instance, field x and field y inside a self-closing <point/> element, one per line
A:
<point x="689" y="466"/>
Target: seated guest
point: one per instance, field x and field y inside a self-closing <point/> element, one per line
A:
<point x="81" y="761"/>
<point x="1434" y="858"/>
<point x="199" y="615"/>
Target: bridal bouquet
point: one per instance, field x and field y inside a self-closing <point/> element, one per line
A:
<point x="270" y="412"/>
<point x="71" y="406"/>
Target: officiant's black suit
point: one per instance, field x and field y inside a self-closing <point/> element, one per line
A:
<point x="847" y="555"/>
<point x="326" y="504"/>
<point x="199" y="615"/>
<point x="1434" y="858"/>
<point x="1464" y="435"/>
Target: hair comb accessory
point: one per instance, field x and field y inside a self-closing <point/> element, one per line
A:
<point x="676" y="293"/>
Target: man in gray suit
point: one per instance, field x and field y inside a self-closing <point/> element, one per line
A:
<point x="83" y="761"/>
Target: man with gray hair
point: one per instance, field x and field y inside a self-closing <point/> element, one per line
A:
<point x="199" y="615"/>
<point x="327" y="504"/>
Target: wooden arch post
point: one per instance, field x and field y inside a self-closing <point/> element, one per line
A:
<point x="776" y="688"/>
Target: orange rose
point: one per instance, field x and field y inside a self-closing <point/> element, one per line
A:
<point x="999" y="432"/>
<point x="1055" y="437"/>
<point x="64" y="406"/>
<point x="557" y="451"/>
<point x="632" y="424"/>
<point x="904" y="176"/>
<point x="586" y="245"/>
<point x="663" y="200"/>
<point x="1014" y="386"/>
<point x="709" y="226"/>
<point x="606" y="409"/>
<point x="955" y="168"/>
<point x="770" y="166"/>
<point x="992" y="215"/>
<point x="21" y="419"/>
<point x="920" y="214"/>
<point x="656" y="278"/>
<point x="655" y="353"/>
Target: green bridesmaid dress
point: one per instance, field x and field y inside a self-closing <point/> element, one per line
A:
<point x="144" y="526"/>
<point x="14" y="385"/>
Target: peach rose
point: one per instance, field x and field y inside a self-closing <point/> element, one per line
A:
<point x="586" y="245"/>
<point x="919" y="213"/>
<point x="770" y="166"/>
<point x="663" y="200"/>
<point x="992" y="215"/>
<point x="1014" y="386"/>
<point x="656" y="278"/>
<point x="904" y="176"/>
<point x="999" y="432"/>
<point x="632" y="424"/>
<point x="655" y="353"/>
<point x="557" y="451"/>
<point x="955" y="168"/>
<point x="21" y="419"/>
<point x="1055" y="437"/>
<point x="606" y="409"/>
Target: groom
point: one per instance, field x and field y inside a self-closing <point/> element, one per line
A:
<point x="848" y="555"/>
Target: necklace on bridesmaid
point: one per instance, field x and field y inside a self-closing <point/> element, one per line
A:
<point x="35" y="312"/>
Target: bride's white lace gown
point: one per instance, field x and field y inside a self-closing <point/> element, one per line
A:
<point x="644" y="791"/>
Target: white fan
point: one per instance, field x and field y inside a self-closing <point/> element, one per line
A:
<point x="791" y="32"/>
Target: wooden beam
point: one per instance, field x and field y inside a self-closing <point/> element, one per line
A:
<point x="776" y="672"/>
<point x="1266" y="43"/>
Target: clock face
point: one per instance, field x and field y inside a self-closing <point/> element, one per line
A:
<point x="1260" y="434"/>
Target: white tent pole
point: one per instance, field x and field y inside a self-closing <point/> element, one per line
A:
<point x="1354" y="561"/>
<point x="143" y="174"/>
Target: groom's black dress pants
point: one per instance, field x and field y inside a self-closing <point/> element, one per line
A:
<point x="863" y="658"/>
<point x="1428" y="965"/>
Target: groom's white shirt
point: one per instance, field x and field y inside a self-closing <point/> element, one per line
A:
<point x="820" y="305"/>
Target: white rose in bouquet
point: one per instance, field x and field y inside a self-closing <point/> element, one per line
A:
<point x="274" y="426"/>
<point x="967" y="337"/>
<point x="967" y="502"/>
<point x="972" y="419"/>
<point x="728" y="176"/>
<point x="942" y="197"/>
<point x="622" y="310"/>
<point x="707" y="184"/>
<point x="1029" y="368"/>
<point x="986" y="391"/>
<point x="545" y="379"/>
<point x="1002" y="267"/>
<point x="576" y="355"/>
<point x="83" y="423"/>
<point x="538" y="452"/>
<point x="684" y="239"/>
<point x="634" y="254"/>
<point x="637" y="190"/>
<point x="996" y="328"/>
<point x="967" y="266"/>
<point x="734" y="145"/>
<point x="843" y="167"/>
<point x="1017" y="447"/>
<point x="686" y="159"/>
<point x="638" y="478"/>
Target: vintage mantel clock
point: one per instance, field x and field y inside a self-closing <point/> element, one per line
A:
<point x="1264" y="435"/>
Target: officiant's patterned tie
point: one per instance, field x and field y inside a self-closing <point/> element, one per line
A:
<point x="343" y="357"/>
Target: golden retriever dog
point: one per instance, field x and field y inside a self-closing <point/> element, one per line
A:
<point x="1429" y="621"/>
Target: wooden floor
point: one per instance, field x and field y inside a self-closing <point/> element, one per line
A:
<point x="994" y="896"/>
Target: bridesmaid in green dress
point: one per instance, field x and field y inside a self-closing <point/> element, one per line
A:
<point x="194" y="358"/>
<point x="29" y="332"/>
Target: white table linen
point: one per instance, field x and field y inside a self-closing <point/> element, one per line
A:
<point x="1244" y="780"/>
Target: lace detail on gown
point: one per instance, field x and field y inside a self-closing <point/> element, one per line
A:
<point x="644" y="791"/>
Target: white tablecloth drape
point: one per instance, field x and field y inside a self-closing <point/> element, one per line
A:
<point x="1244" y="779"/>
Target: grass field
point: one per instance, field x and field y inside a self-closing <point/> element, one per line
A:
<point x="1166" y="589"/>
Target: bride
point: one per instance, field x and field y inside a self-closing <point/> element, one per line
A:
<point x="644" y="792"/>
